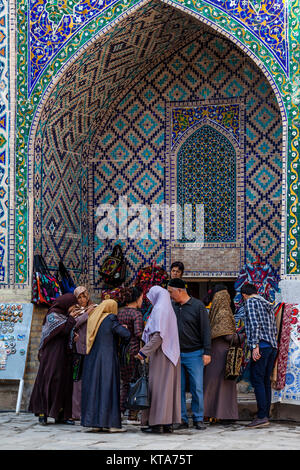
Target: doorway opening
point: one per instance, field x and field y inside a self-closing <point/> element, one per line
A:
<point x="199" y="288"/>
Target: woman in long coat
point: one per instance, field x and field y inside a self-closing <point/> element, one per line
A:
<point x="131" y="317"/>
<point x="100" y="405"/>
<point x="220" y="395"/>
<point x="162" y="346"/>
<point x="86" y="306"/>
<point x="52" y="391"/>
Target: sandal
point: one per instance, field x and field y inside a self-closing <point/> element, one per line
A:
<point x="42" y="419"/>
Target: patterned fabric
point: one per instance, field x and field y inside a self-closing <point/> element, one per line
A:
<point x="260" y="322"/>
<point x="134" y="321"/>
<point x="266" y="281"/>
<point x="240" y="329"/>
<point x="262" y="276"/>
<point x="291" y="391"/>
<point x="132" y="318"/>
<point x="54" y="321"/>
<point x="220" y="315"/>
<point x="282" y="359"/>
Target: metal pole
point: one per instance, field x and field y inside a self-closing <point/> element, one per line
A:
<point x="20" y="392"/>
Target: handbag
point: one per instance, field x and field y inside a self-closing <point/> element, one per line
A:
<point x="45" y="287"/>
<point x="138" y="394"/>
<point x="233" y="360"/>
<point x="113" y="268"/>
<point x="65" y="280"/>
<point x="77" y="366"/>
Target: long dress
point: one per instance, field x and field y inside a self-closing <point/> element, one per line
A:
<point x="133" y="319"/>
<point x="80" y="346"/>
<point x="164" y="386"/>
<point x="100" y="405"/>
<point x="220" y="395"/>
<point x="52" y="391"/>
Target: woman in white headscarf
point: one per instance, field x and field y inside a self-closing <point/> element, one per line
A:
<point x="162" y="346"/>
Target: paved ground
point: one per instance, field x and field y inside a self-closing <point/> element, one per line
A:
<point x="22" y="432"/>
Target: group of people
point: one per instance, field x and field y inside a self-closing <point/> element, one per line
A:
<point x="90" y="353"/>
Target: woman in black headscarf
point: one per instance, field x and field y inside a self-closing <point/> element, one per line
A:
<point x="52" y="391"/>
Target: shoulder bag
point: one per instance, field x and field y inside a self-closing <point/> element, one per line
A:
<point x="138" y="395"/>
<point x="233" y="360"/>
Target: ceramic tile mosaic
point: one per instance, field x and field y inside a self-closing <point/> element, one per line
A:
<point x="252" y="26"/>
<point x="4" y="144"/>
<point x="134" y="144"/>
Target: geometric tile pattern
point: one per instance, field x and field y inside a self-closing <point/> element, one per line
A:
<point x="206" y="175"/>
<point x="232" y="28"/>
<point x="90" y="86"/>
<point x="130" y="154"/>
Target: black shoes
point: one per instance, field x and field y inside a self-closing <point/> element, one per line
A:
<point x="165" y="429"/>
<point x="182" y="425"/>
<point x="64" y="421"/>
<point x="199" y="425"/>
<point x="168" y="429"/>
<point x="153" y="429"/>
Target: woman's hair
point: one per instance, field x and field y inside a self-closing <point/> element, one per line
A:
<point x="219" y="287"/>
<point x="133" y="294"/>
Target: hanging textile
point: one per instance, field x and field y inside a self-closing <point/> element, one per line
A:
<point x="262" y="276"/>
<point x="290" y="393"/>
<point x="279" y="373"/>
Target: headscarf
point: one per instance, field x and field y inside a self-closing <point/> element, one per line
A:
<point x="220" y="315"/>
<point x="56" y="317"/>
<point x="163" y="320"/>
<point x="79" y="290"/>
<point x="107" y="307"/>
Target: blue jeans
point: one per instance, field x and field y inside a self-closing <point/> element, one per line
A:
<point x="260" y="372"/>
<point x="192" y="363"/>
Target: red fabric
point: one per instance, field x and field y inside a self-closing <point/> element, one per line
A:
<point x="283" y="349"/>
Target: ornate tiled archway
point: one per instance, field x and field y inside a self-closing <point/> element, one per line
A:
<point x="79" y="109"/>
<point x="241" y="28"/>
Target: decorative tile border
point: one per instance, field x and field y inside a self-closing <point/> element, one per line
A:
<point x="4" y="143"/>
<point x="52" y="25"/>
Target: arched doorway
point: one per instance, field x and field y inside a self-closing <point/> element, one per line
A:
<point x="104" y="132"/>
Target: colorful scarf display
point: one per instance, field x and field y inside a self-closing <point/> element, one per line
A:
<point x="290" y="378"/>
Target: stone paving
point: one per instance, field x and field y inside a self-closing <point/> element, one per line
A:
<point x="22" y="432"/>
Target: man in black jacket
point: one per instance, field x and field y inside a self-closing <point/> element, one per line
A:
<point x="195" y="342"/>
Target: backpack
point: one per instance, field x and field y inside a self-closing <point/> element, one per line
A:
<point x="113" y="268"/>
